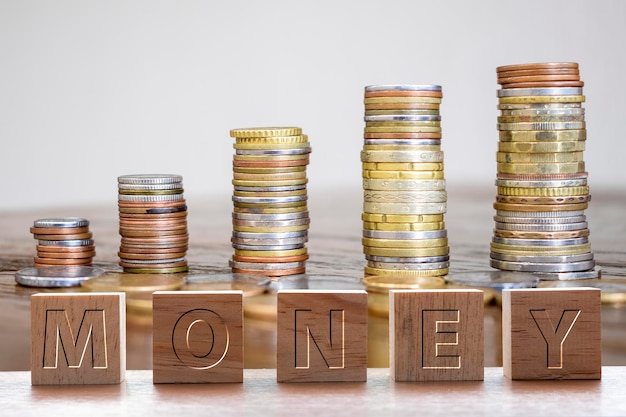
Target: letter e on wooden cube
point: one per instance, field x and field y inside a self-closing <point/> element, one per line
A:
<point x="436" y="335"/>
<point x="197" y="337"/>
<point x="78" y="338"/>
<point x="551" y="333"/>
<point x="321" y="336"/>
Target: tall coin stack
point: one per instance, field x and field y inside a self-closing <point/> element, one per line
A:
<point x="270" y="215"/>
<point x="63" y="241"/>
<point x="404" y="191"/>
<point x="542" y="191"/>
<point x="153" y="224"/>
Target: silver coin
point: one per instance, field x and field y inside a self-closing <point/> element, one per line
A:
<point x="69" y="222"/>
<point x="408" y="266"/>
<point x="569" y="276"/>
<point x="497" y="280"/>
<point x="540" y="242"/>
<point x="513" y="106"/>
<point x="401" y="156"/>
<point x="282" y="223"/>
<point x="567" y="111"/>
<point x="394" y="196"/>
<point x="315" y="282"/>
<point x="540" y="91"/>
<point x="403" y="87"/>
<point x="541" y="214"/>
<point x="403" y="142"/>
<point x="270" y="217"/>
<point x="280" y="235"/>
<point x="266" y="241"/>
<point x="403" y="118"/>
<point x="152" y="261"/>
<point x="525" y="227"/>
<point x="543" y="258"/>
<point x="150" y="187"/>
<point x="269" y="200"/>
<point x="541" y="184"/>
<point x="542" y="267"/>
<point x="56" y="276"/>
<point x="541" y="126"/>
<point x="266" y="266"/>
<point x="539" y="220"/>
<point x="70" y="243"/>
<point x="373" y="184"/>
<point x="141" y="198"/>
<point x="271" y="189"/>
<point x="267" y="247"/>
<point x="289" y="151"/>
<point x="404" y="208"/>
<point x="384" y="234"/>
<point x="424" y="259"/>
<point x="149" y="179"/>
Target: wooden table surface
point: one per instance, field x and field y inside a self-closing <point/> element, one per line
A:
<point x="335" y="249"/>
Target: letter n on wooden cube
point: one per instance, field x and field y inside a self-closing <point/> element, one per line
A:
<point x="551" y="333"/>
<point x="78" y="338"/>
<point x="436" y="335"/>
<point x="321" y="336"/>
<point x="197" y="337"/>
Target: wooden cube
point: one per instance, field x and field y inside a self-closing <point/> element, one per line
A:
<point x="197" y="337"/>
<point x="436" y="335"/>
<point x="78" y="338"/>
<point x="551" y="333"/>
<point x="321" y="336"/>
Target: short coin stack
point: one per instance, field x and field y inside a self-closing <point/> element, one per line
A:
<point x="270" y="215"/>
<point x="404" y="191"/>
<point x="63" y="241"/>
<point x="542" y="190"/>
<point x="153" y="224"/>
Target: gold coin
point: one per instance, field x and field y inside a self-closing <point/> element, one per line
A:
<point x="265" y="132"/>
<point x="172" y="270"/>
<point x="270" y="210"/>
<point x="404" y="196"/>
<point x="270" y="158"/>
<point x="541" y="118"/>
<point x="404" y="227"/>
<point x="542" y="99"/>
<point x="554" y="168"/>
<point x="386" y="100"/>
<point x="402" y="175"/>
<point x="543" y="135"/>
<point x="246" y="183"/>
<point x="401" y="218"/>
<point x="544" y="191"/>
<point x="271" y="146"/>
<point x="148" y="283"/>
<point x="271" y="253"/>
<point x="403" y="166"/>
<point x="269" y="193"/>
<point x="403" y="129"/>
<point x="405" y="208"/>
<point x="539" y="158"/>
<point x="395" y="156"/>
<point x="271" y="229"/>
<point x="407" y="273"/>
<point x="269" y="170"/>
<point x="542" y="147"/>
<point x="415" y="112"/>
<point x="404" y="243"/>
<point x="278" y="176"/>
<point x="514" y="234"/>
<point x="402" y="148"/>
<point x="539" y="207"/>
<point x="406" y="252"/>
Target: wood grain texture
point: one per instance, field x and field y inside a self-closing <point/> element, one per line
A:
<point x="197" y="337"/>
<point x="551" y="334"/>
<point x="436" y="335"/>
<point x="78" y="339"/>
<point x="321" y="336"/>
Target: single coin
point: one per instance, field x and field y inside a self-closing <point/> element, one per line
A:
<point x="541" y="147"/>
<point x="264" y="132"/>
<point x="268" y="247"/>
<point x="57" y="250"/>
<point x="497" y="280"/>
<point x="402" y="106"/>
<point x="551" y="227"/>
<point x="543" y="135"/>
<point x="406" y="252"/>
<point x="265" y="266"/>
<point x="405" y="208"/>
<point x="402" y="129"/>
<point x="536" y="66"/>
<point x="551" y="118"/>
<point x="297" y="187"/>
<point x="516" y="234"/>
<point x="539" y="215"/>
<point x="165" y="270"/>
<point x="246" y="235"/>
<point x="175" y="186"/>
<point x="408" y="266"/>
<point x="401" y="218"/>
<point x="59" y="230"/>
<point x="403" y="166"/>
<point x="152" y="265"/>
<point x="540" y="250"/>
<point x="299" y="215"/>
<point x="40" y="261"/>
<point x="87" y="235"/>
<point x="404" y="227"/>
<point x="149" y="179"/>
<point x="565" y="200"/>
<point x="403" y="185"/>
<point x="402" y="118"/>
<point x="541" y="99"/>
<point x="272" y="253"/>
<point x="403" y="260"/>
<point x="540" y="221"/>
<point x="543" y="84"/>
<point x="542" y="111"/>
<point x="56" y="276"/>
<point x="542" y="177"/>
<point x="509" y="79"/>
<point x="271" y="273"/>
<point x="543" y="191"/>
<point x="542" y="267"/>
<point x="403" y="87"/>
<point x="390" y="144"/>
<point x="401" y="156"/>
<point x="538" y="158"/>
<point x="542" y="258"/>
<point x="269" y="157"/>
<point x="407" y="272"/>
<point x="171" y="210"/>
<point x="613" y="291"/>
<point x="67" y="243"/>
<point x="66" y="255"/>
<point x="538" y="71"/>
<point x="260" y="259"/>
<point x="405" y="243"/>
<point x="594" y="273"/>
<point x="272" y="141"/>
<point x="152" y="256"/>
<point x="401" y="100"/>
<point x="273" y="152"/>
<point x="149" y="192"/>
<point x="403" y="135"/>
<point x="385" y="235"/>
<point x="536" y="168"/>
<point x="402" y="175"/>
<point x="405" y="196"/>
<point x="258" y="194"/>
<point x="542" y="126"/>
<point x="538" y="106"/>
<point x="540" y="242"/>
<point x="544" y="91"/>
<point x="271" y="210"/>
<point x="270" y="164"/>
<point x="61" y="222"/>
<point x="577" y="182"/>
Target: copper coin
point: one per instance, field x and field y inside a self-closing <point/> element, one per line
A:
<point x="574" y="199"/>
<point x="152" y="233"/>
<point x="153" y="210"/>
<point x="538" y="71"/>
<point x="143" y="249"/>
<point x="541" y="84"/>
<point x="66" y="255"/>
<point x="407" y="106"/>
<point x="166" y="239"/>
<point x="405" y="135"/>
<point x="151" y="222"/>
<point x="154" y="226"/>
<point x="179" y="216"/>
<point x="55" y="261"/>
<point x="150" y="256"/>
<point x="78" y="236"/>
<point x="539" y="207"/>
<point x="160" y="204"/>
<point x="262" y="259"/>
<point x="537" y="65"/>
<point x="275" y="273"/>
<point x="152" y="266"/>
<point x="403" y="93"/>
<point x="535" y="78"/>
<point x="65" y="249"/>
<point x="270" y="164"/>
<point x="59" y="230"/>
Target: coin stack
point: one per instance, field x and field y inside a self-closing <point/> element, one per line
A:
<point x="404" y="190"/>
<point x="542" y="191"/>
<point x="153" y="224"/>
<point x="63" y="241"/>
<point x="270" y="215"/>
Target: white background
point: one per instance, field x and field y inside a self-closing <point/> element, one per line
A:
<point x="90" y="90"/>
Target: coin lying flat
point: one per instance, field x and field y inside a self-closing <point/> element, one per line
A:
<point x="56" y="276"/>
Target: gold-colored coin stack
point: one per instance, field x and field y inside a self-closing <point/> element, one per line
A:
<point x="153" y="224"/>
<point x="404" y="191"/>
<point x="63" y="241"/>
<point x="270" y="214"/>
<point x="542" y="191"/>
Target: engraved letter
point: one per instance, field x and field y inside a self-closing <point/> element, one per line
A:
<point x="90" y="337"/>
<point x="200" y="339"/>
<point x="440" y="326"/>
<point x="555" y="335"/>
<point x="328" y="339"/>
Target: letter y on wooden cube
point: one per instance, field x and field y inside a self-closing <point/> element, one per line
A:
<point x="436" y="335"/>
<point x="78" y="338"/>
<point x="321" y="336"/>
<point x="551" y="333"/>
<point x="197" y="337"/>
